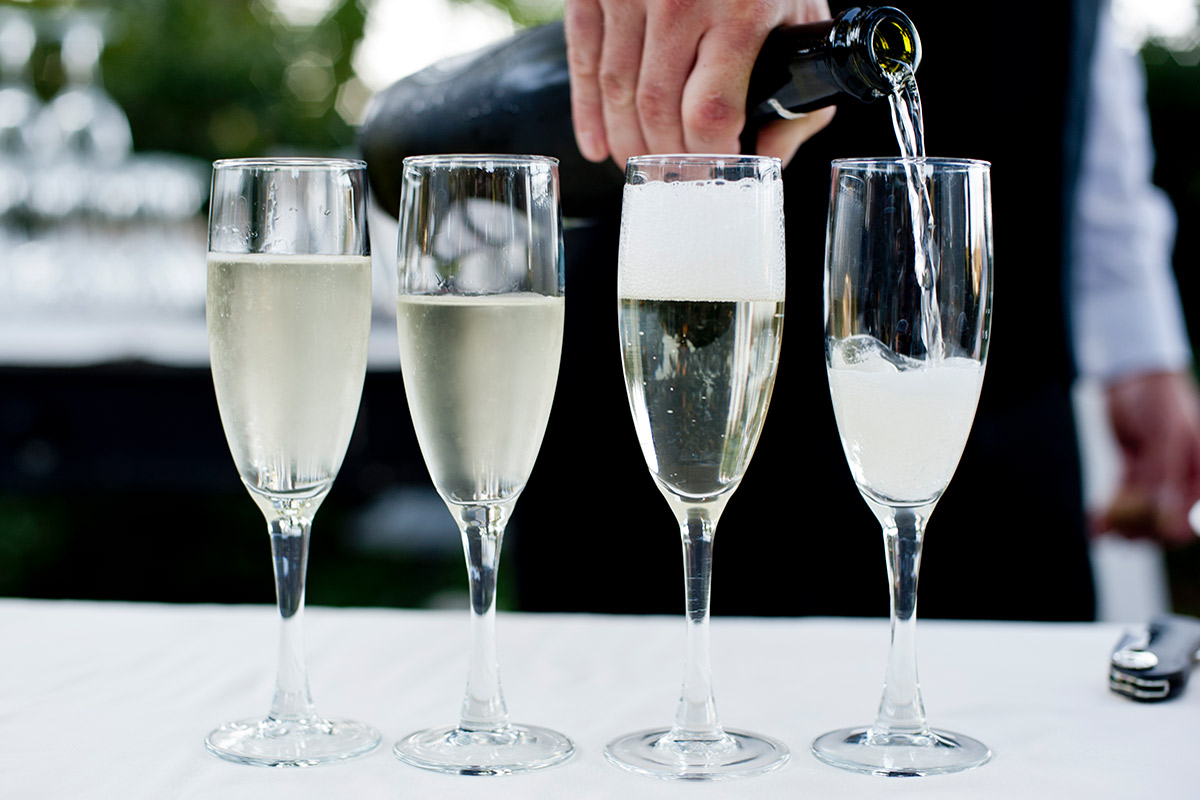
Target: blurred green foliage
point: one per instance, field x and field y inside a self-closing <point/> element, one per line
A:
<point x="224" y="78"/>
<point x="214" y="78"/>
<point x="524" y="12"/>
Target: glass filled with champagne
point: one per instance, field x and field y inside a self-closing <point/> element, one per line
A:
<point x="480" y="316"/>
<point x="700" y="287"/>
<point x="908" y="293"/>
<point x="289" y="313"/>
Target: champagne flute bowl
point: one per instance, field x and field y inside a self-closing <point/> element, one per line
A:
<point x="908" y="289"/>
<point x="289" y="312"/>
<point x="480" y="321"/>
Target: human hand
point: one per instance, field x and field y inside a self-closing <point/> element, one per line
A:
<point x="660" y="76"/>
<point x="1156" y="421"/>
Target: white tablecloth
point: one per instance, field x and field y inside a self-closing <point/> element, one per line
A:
<point x="106" y="701"/>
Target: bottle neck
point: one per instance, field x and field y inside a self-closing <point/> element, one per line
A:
<point x="804" y="67"/>
<point x="773" y="91"/>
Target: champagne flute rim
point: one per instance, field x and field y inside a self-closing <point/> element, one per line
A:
<point x="272" y="163"/>
<point x="477" y="160"/>
<point x="700" y="159"/>
<point x="475" y="294"/>
<point x="947" y="164"/>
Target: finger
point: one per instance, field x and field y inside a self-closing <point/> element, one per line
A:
<point x="1152" y="501"/>
<point x="1179" y="490"/>
<point x="782" y="139"/>
<point x="1191" y="485"/>
<point x="809" y="11"/>
<point x="1192" y="496"/>
<point x="1136" y="510"/>
<point x="714" y="98"/>
<point x="1164" y="467"/>
<point x="1171" y="495"/>
<point x="667" y="60"/>
<point x="1131" y="514"/>
<point x="583" y="22"/>
<point x="620" y="60"/>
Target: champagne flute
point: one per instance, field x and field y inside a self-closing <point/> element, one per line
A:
<point x="701" y="291"/>
<point x="480" y="321"/>
<point x="289" y="312"/>
<point x="908" y="289"/>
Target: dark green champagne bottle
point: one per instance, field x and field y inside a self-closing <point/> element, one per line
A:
<point x="856" y="54"/>
<point x="514" y="97"/>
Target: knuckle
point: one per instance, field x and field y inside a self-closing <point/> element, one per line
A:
<point x="616" y="87"/>
<point x="654" y="105"/>
<point x="677" y="8"/>
<point x="748" y="27"/>
<point x="713" y="118"/>
<point x="745" y="35"/>
<point x="759" y="12"/>
<point x="581" y="62"/>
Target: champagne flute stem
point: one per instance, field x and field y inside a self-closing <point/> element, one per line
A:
<point x="482" y="529"/>
<point x="696" y="717"/>
<point x="902" y="711"/>
<point x="289" y="548"/>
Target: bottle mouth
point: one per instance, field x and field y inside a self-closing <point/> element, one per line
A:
<point x="895" y="43"/>
<point x="886" y="47"/>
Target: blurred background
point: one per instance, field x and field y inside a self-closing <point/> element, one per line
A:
<point x="115" y="481"/>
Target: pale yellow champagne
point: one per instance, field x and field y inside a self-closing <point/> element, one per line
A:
<point x="288" y="345"/>
<point x="699" y="375"/>
<point x="479" y="374"/>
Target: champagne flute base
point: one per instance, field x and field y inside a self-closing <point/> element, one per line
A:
<point x="291" y="743"/>
<point x="900" y="755"/>
<point x="516" y="748"/>
<point x="660" y="754"/>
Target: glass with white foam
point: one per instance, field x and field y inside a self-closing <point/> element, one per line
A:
<point x="908" y="292"/>
<point x="700" y="286"/>
<point x="289" y="314"/>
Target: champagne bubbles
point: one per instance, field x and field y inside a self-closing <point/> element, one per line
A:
<point x="702" y="240"/>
